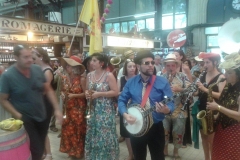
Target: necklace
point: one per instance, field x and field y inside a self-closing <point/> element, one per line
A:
<point x="97" y="80"/>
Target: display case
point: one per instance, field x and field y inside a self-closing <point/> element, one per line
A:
<point x="54" y="49"/>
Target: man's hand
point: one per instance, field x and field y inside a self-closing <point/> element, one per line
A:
<point x="59" y="116"/>
<point x="176" y="89"/>
<point x="160" y="108"/>
<point x="130" y="119"/>
<point x="18" y="116"/>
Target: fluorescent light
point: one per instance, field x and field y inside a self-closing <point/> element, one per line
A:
<point x="144" y="14"/>
<point x="135" y="16"/>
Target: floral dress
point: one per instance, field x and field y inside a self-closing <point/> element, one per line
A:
<point x="101" y="138"/>
<point x="74" y="125"/>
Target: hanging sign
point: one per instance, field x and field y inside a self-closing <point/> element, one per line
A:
<point x="17" y="24"/>
<point x="176" y="38"/>
<point x="113" y="41"/>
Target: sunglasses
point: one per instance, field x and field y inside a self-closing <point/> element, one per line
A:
<point x="148" y="63"/>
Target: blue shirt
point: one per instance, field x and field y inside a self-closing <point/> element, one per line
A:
<point x="133" y="90"/>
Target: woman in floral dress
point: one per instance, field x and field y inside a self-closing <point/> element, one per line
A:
<point x="74" y="124"/>
<point x="101" y="138"/>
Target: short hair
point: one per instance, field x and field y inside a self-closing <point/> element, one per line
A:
<point x="102" y="58"/>
<point x="17" y="49"/>
<point x="42" y="53"/>
<point x="125" y="67"/>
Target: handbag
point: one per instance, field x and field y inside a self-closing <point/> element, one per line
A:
<point x="11" y="124"/>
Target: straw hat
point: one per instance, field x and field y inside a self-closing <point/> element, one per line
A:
<point x="231" y="61"/>
<point x="203" y="55"/>
<point x="198" y="59"/>
<point x="171" y="58"/>
<point x="128" y="53"/>
<point x="71" y="62"/>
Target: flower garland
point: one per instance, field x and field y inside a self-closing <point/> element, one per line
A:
<point x="106" y="11"/>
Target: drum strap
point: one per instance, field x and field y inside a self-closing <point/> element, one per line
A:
<point x="147" y="92"/>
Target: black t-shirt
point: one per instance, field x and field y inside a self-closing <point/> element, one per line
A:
<point x="25" y="94"/>
<point x="202" y="95"/>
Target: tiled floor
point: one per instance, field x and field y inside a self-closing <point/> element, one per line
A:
<point x="188" y="153"/>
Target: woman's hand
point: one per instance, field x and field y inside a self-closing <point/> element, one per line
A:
<point x="212" y="106"/>
<point x="201" y="87"/>
<point x="92" y="94"/>
<point x="62" y="96"/>
<point x="96" y="95"/>
<point x="70" y="95"/>
<point x="87" y="94"/>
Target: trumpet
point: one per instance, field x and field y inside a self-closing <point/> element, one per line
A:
<point x="89" y="107"/>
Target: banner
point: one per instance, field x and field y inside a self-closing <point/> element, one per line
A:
<point x="90" y="16"/>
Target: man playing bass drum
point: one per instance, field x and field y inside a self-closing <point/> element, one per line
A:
<point x="212" y="75"/>
<point x="154" y="138"/>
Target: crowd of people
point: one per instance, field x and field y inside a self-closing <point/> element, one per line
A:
<point x="83" y="95"/>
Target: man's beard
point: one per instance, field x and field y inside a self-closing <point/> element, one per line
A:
<point x="146" y="73"/>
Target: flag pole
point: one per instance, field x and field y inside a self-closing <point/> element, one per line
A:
<point x="73" y="37"/>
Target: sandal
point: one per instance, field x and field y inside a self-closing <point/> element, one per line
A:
<point x="121" y="139"/>
<point x="48" y="157"/>
<point x="54" y="129"/>
<point x="176" y="158"/>
<point x="184" y="146"/>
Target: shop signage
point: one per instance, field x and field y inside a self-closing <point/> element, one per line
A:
<point x="113" y="41"/>
<point x="40" y="27"/>
<point x="176" y="38"/>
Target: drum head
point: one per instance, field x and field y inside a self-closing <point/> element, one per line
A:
<point x="137" y="126"/>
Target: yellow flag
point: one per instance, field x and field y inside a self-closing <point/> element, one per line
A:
<point x="90" y="16"/>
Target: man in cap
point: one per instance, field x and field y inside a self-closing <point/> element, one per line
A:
<point x="178" y="81"/>
<point x="21" y="93"/>
<point x="134" y="90"/>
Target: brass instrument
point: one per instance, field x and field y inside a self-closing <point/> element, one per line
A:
<point x="89" y="107"/>
<point x="207" y="117"/>
<point x="115" y="60"/>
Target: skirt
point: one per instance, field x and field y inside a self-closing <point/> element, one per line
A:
<point x="226" y="144"/>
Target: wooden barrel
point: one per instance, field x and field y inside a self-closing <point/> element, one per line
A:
<point x="14" y="145"/>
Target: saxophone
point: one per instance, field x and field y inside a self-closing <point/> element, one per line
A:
<point x="207" y="117"/>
